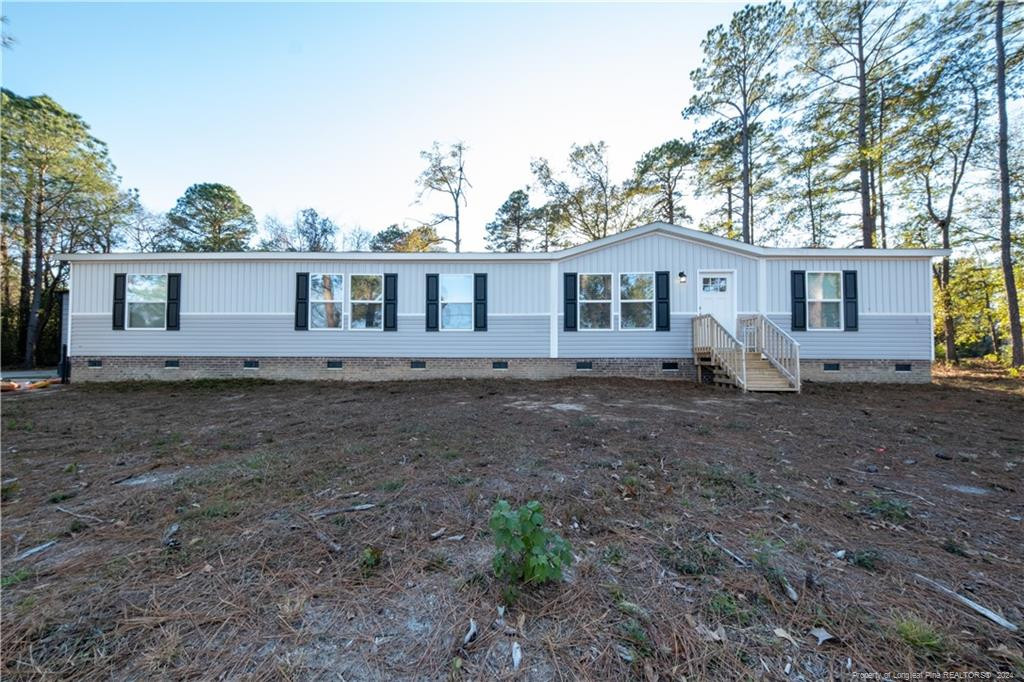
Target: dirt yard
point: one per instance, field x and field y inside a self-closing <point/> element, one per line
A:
<point x="198" y="531"/>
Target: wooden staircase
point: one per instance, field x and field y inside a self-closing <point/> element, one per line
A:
<point x="767" y="359"/>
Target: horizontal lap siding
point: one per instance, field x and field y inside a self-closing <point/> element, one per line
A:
<point x="510" y="336"/>
<point x="659" y="252"/>
<point x="677" y="343"/>
<point x="884" y="285"/>
<point x="880" y="337"/>
<point x="269" y="286"/>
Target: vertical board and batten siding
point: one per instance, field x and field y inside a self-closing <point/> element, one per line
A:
<point x="245" y="308"/>
<point x="884" y="285"/>
<point x="209" y="286"/>
<point x="661" y="252"/>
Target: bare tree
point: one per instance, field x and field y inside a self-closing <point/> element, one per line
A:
<point x="446" y="174"/>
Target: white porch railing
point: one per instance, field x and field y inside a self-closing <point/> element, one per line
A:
<point x="761" y="335"/>
<point x="710" y="337"/>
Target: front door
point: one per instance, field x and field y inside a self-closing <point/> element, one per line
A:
<point x="716" y="297"/>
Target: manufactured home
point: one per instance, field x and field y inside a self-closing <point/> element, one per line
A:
<point x="657" y="301"/>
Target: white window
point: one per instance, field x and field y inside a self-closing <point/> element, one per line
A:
<point x="595" y="302"/>
<point x="636" y="300"/>
<point x="146" y="297"/>
<point x="456" y="302"/>
<point x="366" y="302"/>
<point x="824" y="300"/>
<point x="326" y="301"/>
<point x="714" y="285"/>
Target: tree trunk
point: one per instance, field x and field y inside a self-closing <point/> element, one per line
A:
<point x="728" y="210"/>
<point x="25" y="285"/>
<point x="867" y="219"/>
<point x="458" y="236"/>
<point x="948" y="322"/>
<point x="745" y="154"/>
<point x="32" y="331"/>
<point x="1016" y="338"/>
<point x="5" y="259"/>
<point x="881" y="146"/>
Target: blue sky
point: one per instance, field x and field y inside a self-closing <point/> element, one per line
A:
<point x="328" y="105"/>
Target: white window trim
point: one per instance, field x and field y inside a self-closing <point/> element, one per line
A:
<point x="128" y="308"/>
<point x="651" y="301"/>
<point x="351" y="301"/>
<point x="309" y="304"/>
<point x="441" y="302"/>
<point x="809" y="300"/>
<point x="610" y="301"/>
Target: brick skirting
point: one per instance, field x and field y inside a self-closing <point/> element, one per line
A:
<point x="120" y="368"/>
<point x="879" y="371"/>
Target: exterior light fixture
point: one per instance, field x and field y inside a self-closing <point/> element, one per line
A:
<point x="682" y="277"/>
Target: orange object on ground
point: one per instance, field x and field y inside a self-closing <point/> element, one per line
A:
<point x="6" y="386"/>
<point x="44" y="383"/>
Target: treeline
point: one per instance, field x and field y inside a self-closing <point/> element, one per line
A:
<point x="826" y="123"/>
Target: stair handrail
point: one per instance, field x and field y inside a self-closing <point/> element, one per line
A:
<point x="769" y="339"/>
<point x="726" y="350"/>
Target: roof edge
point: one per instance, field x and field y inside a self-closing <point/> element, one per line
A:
<point x="687" y="233"/>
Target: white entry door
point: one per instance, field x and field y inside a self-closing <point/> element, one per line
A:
<point x="717" y="296"/>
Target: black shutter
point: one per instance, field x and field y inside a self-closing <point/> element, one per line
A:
<point x="432" y="303"/>
<point x="480" y="302"/>
<point x="119" y="284"/>
<point x="391" y="302"/>
<point x="301" y="301"/>
<point x="174" y="301"/>
<point x="661" y="307"/>
<point x="569" y="292"/>
<point x="798" y="308"/>
<point x="850" y="300"/>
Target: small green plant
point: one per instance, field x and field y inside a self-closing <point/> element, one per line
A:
<point x="890" y="510"/>
<point x="868" y="559"/>
<point x="16" y="577"/>
<point x="725" y="607"/>
<point x="370" y="559"/>
<point x="391" y="486"/>
<point x="526" y="550"/>
<point x="697" y="558"/>
<point x="9" y="490"/>
<point x="954" y="547"/>
<point x="71" y="468"/>
<point x="61" y="495"/>
<point x="635" y="633"/>
<point x="613" y="555"/>
<point x="919" y="635"/>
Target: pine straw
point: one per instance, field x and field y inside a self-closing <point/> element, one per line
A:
<point x="253" y="589"/>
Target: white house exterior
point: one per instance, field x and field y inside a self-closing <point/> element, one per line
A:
<point x="624" y="305"/>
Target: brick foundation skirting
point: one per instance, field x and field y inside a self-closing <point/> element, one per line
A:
<point x="880" y="371"/>
<point x="121" y="368"/>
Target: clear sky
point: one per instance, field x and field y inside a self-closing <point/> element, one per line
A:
<point x="328" y="105"/>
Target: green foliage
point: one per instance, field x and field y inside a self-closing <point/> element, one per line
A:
<point x="890" y="510"/>
<point x="514" y="226"/>
<point x="868" y="559"/>
<point x="397" y="239"/>
<point x="212" y="217"/>
<point x="920" y="635"/>
<point x="658" y="177"/>
<point x="370" y="559"/>
<point x="526" y="550"/>
<point x="16" y="577"/>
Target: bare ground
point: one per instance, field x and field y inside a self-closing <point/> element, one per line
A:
<point x="842" y="493"/>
